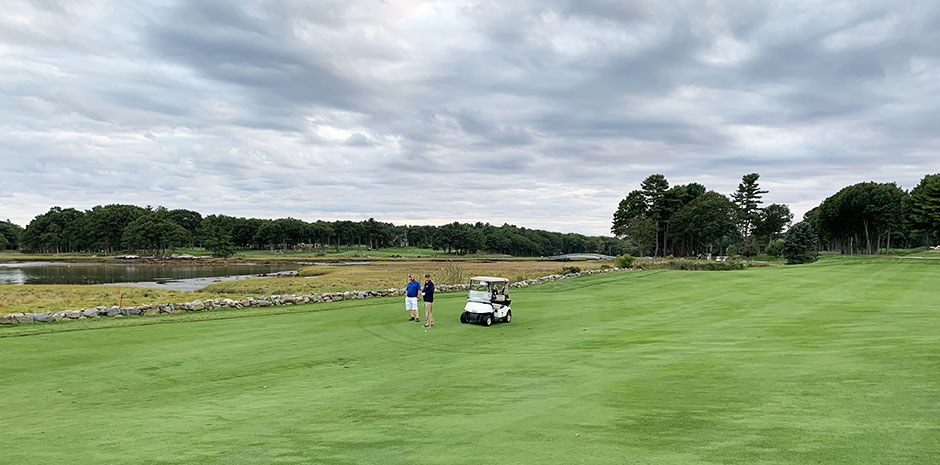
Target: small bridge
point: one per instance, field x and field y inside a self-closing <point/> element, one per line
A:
<point x="587" y="256"/>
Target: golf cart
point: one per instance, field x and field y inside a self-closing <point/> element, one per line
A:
<point x="487" y="301"/>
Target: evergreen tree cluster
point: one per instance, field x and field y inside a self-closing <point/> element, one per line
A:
<point x="114" y="228"/>
<point x="864" y="218"/>
<point x="686" y="220"/>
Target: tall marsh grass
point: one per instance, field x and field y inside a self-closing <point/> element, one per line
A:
<point x="689" y="265"/>
<point x="452" y="273"/>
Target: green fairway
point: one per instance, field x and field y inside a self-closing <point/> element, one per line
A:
<point x="835" y="362"/>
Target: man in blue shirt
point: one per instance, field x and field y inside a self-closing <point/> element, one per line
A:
<point x="411" y="298"/>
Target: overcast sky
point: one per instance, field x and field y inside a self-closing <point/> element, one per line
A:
<point x="541" y="113"/>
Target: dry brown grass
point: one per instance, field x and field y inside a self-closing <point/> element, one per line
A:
<point x="312" y="279"/>
<point x="385" y="275"/>
<point x="49" y="297"/>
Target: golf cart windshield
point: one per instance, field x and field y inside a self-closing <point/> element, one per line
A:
<point x="484" y="288"/>
<point x="479" y="291"/>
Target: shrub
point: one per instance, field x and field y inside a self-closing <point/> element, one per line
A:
<point x="775" y="247"/>
<point x="690" y="265"/>
<point x="570" y="269"/>
<point x="625" y="261"/>
<point x="605" y="267"/>
<point x="750" y="248"/>
<point x="801" y="244"/>
<point x="731" y="251"/>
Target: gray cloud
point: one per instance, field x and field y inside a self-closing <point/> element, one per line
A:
<point x="542" y="114"/>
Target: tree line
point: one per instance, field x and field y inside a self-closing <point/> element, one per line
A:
<point x="686" y="220"/>
<point x="864" y="218"/>
<point x="871" y="218"/>
<point x="119" y="228"/>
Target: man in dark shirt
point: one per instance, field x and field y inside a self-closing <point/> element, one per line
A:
<point x="428" y="300"/>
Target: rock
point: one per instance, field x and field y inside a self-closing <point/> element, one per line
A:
<point x="130" y="311"/>
<point x="264" y="303"/>
<point x="113" y="311"/>
<point x="6" y="319"/>
<point x="149" y="311"/>
<point x="73" y="314"/>
<point x="21" y="318"/>
<point x="197" y="305"/>
<point x="90" y="313"/>
<point x="42" y="317"/>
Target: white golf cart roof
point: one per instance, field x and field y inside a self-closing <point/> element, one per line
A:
<point x="489" y="279"/>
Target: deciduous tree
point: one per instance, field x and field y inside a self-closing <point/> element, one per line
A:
<point x="706" y="220"/>
<point x="153" y="233"/>
<point x="215" y="234"/>
<point x="925" y="205"/>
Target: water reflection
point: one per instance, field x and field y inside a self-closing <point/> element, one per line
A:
<point x="97" y="273"/>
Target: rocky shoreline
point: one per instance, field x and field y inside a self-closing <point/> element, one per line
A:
<point x="248" y="302"/>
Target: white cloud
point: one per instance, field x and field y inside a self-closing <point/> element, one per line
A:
<point x="863" y="35"/>
<point x="408" y="111"/>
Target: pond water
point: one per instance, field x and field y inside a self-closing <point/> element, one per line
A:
<point x="175" y="276"/>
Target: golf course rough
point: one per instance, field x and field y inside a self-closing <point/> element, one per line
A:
<point x="836" y="362"/>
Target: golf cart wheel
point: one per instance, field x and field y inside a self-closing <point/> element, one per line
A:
<point x="488" y="319"/>
<point x="508" y="316"/>
<point x="464" y="318"/>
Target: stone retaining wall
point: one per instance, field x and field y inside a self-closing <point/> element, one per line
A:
<point x="262" y="301"/>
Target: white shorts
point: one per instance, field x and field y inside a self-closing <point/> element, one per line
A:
<point x="411" y="303"/>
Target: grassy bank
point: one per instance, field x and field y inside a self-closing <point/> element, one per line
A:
<point x="836" y="362"/>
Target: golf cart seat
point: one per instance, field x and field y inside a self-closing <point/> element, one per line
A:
<point x="501" y="299"/>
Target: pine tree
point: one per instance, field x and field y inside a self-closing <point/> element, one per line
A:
<point x="654" y="188"/>
<point x="748" y="199"/>
<point x="801" y="245"/>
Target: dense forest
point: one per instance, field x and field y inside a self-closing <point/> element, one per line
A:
<point x="871" y="218"/>
<point x="865" y="218"/>
<point x="120" y="228"/>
